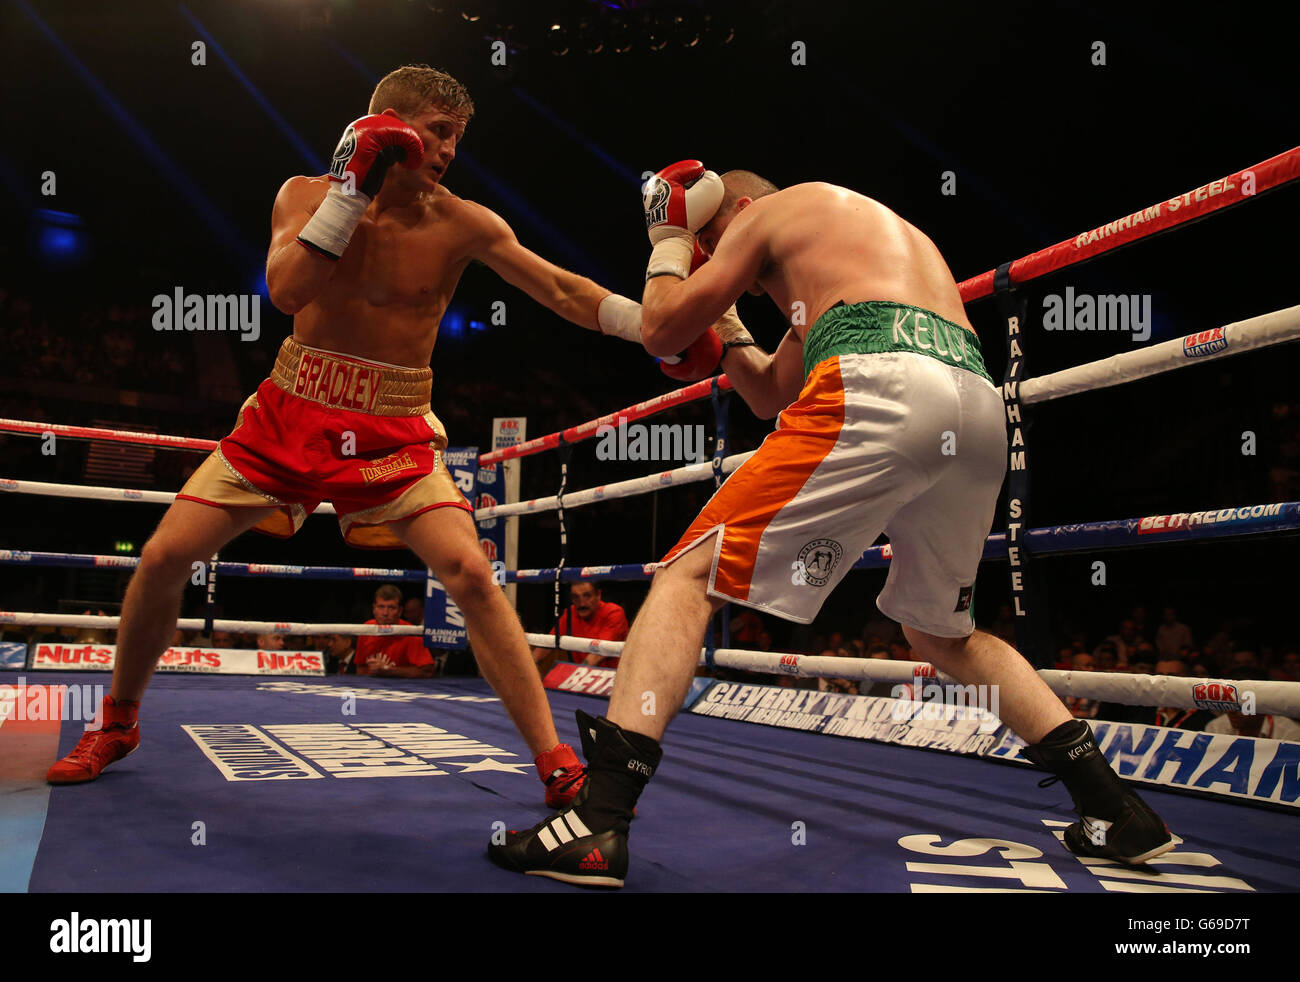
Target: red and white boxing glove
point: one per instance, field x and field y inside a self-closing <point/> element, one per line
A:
<point x="699" y="360"/>
<point x="370" y="145"/>
<point x="678" y="202"/>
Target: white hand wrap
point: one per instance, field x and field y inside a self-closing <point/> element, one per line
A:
<point x="330" y="229"/>
<point x="672" y="257"/>
<point x="729" y="328"/>
<point x="620" y="317"/>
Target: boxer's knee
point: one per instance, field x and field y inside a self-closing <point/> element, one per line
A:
<point x="468" y="578"/>
<point x="934" y="648"/>
<point x="165" y="560"/>
<point x="689" y="570"/>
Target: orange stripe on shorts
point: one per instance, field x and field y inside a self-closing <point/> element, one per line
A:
<point x="768" y="481"/>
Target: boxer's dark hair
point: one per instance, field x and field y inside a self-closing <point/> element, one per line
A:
<point x="739" y="184"/>
<point x="412" y="88"/>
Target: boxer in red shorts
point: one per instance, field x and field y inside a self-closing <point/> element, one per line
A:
<point x="366" y="258"/>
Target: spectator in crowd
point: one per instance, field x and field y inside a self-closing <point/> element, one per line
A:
<point x="1174" y="717"/>
<point x="880" y="629"/>
<point x="901" y="651"/>
<point x="587" y="616"/>
<point x="1145" y="666"/>
<point x="1244" y="658"/>
<point x="339" y="651"/>
<point x="1105" y="659"/>
<point x="1220" y="645"/>
<point x="223" y="639"/>
<point x="270" y="642"/>
<point x="837" y="685"/>
<point x="1172" y="635"/>
<point x="1262" y="725"/>
<point x="745" y="628"/>
<point x="413" y="610"/>
<point x="93" y="635"/>
<point x="878" y="651"/>
<point x="392" y="655"/>
<point x="1126" y="641"/>
<point x="1079" y="707"/>
<point x="1288" y="668"/>
<point x="1064" y="659"/>
<point x="1139" y="618"/>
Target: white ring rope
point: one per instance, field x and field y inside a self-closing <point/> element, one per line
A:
<point x="1280" y="698"/>
<point x="1247" y="335"/>
<point x="196" y="624"/>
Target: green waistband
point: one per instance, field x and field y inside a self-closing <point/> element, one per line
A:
<point x="877" y="326"/>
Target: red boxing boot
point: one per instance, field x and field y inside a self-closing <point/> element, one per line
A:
<point x="118" y="736"/>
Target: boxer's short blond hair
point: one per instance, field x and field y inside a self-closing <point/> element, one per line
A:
<point x="413" y="88"/>
<point x="739" y="184"/>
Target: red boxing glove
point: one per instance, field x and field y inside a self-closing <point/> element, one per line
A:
<point x="699" y="360"/>
<point x="371" y="145"/>
<point x="680" y="200"/>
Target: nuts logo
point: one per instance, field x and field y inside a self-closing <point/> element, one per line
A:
<point x="818" y="559"/>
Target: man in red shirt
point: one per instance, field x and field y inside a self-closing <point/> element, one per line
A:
<point x="400" y="656"/>
<point x="588" y="616"/>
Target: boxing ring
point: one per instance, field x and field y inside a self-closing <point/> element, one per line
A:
<point x="294" y="781"/>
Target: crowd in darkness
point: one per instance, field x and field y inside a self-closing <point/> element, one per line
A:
<point x="109" y="346"/>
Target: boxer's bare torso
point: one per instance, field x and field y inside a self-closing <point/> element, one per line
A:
<point x="384" y="298"/>
<point x="817" y="244"/>
<point x="389" y="291"/>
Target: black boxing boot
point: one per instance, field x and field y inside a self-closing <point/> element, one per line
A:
<point x="1114" y="822"/>
<point x="586" y="843"/>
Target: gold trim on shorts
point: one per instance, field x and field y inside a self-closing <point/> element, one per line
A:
<point x="344" y="382"/>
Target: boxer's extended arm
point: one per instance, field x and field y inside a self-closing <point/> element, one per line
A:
<point x="767" y="383"/>
<point x="573" y="297"/>
<point x="295" y="276"/>
<point x="675" y="312"/>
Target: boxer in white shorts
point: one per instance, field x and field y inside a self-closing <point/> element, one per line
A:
<point x="900" y="440"/>
<point x="888" y="421"/>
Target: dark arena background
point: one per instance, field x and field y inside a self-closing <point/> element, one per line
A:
<point x="146" y="143"/>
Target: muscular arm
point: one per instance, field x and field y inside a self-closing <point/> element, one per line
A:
<point x="675" y="312"/>
<point x="767" y="383"/>
<point x="295" y="276"/>
<point x="573" y="297"/>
